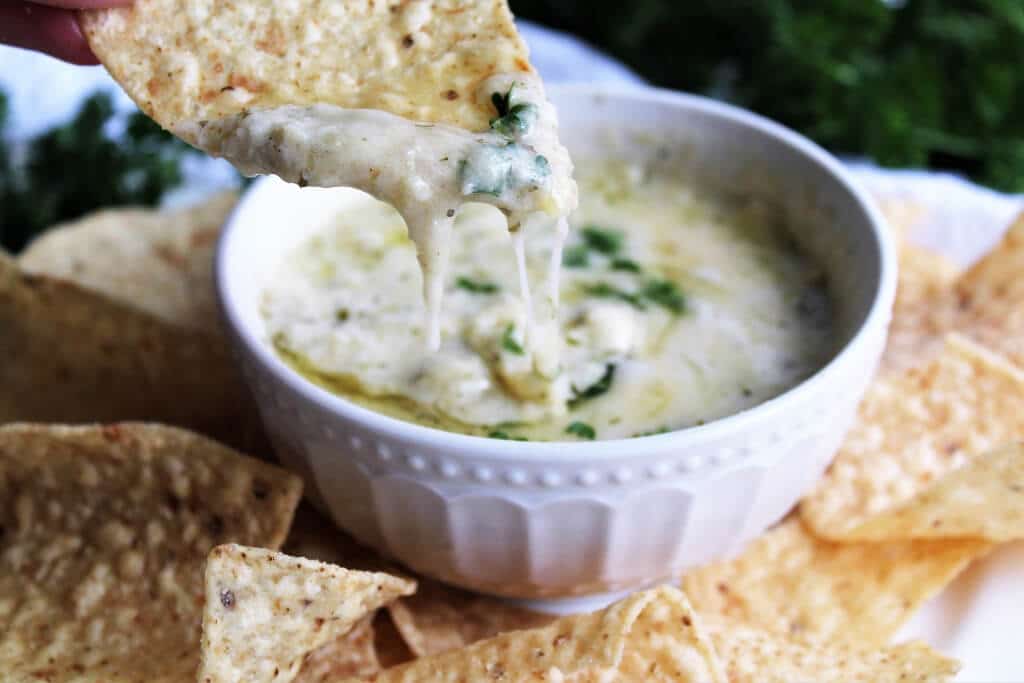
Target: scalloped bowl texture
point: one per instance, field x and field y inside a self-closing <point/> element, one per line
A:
<point x="562" y="520"/>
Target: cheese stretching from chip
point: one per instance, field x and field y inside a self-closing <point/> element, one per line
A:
<point x="424" y="105"/>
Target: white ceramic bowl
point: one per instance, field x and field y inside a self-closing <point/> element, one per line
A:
<point x="555" y="520"/>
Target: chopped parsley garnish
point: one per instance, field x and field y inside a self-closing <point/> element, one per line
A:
<point x="509" y="343"/>
<point x="664" y="293"/>
<point x="505" y="436"/>
<point x="576" y="257"/>
<point x="476" y="286"/>
<point x="341" y="315"/>
<point x="596" y="389"/>
<point x="502" y="102"/>
<point x="513" y="120"/>
<point x="582" y="430"/>
<point x="606" y="241"/>
<point x="605" y="290"/>
<point x="626" y="264"/>
<point x="519" y="119"/>
<point x="653" y="432"/>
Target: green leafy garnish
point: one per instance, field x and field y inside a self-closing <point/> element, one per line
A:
<point x="606" y="241"/>
<point x="605" y="290"/>
<point x="476" y="286"/>
<point x="502" y="102"/>
<point x="596" y="389"/>
<point x="625" y="264"/>
<point x="664" y="293"/>
<point x="653" y="432"/>
<point x="509" y="343"/>
<point x="519" y="119"/>
<point x="582" y="430"/>
<point x="88" y="163"/>
<point x="341" y="315"/>
<point x="577" y="256"/>
<point x="505" y="436"/>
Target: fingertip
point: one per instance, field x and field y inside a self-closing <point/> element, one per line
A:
<point x="45" y="29"/>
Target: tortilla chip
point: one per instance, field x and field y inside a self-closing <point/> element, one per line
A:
<point x="751" y="656"/>
<point x="160" y="262"/>
<point x="353" y="654"/>
<point x="78" y="357"/>
<point x="438" y="618"/>
<point x="651" y="636"/>
<point x="266" y="611"/>
<point x="991" y="297"/>
<point x="792" y="583"/>
<point x="924" y="308"/>
<point x="983" y="499"/>
<point x="915" y="428"/>
<point x="105" y="532"/>
<point x="902" y="215"/>
<point x="388" y="642"/>
<point x="201" y="59"/>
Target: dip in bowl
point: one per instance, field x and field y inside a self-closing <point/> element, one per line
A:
<point x="725" y="294"/>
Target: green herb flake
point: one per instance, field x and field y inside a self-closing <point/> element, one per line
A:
<point x="625" y="264"/>
<point x="518" y="121"/>
<point x="605" y="290"/>
<point x="603" y="240"/>
<point x="653" y="432"/>
<point x="576" y="257"/>
<point x="505" y="436"/>
<point x="596" y="389"/>
<point x="509" y="343"/>
<point x="582" y="430"/>
<point x="502" y="101"/>
<point x="341" y="315"/>
<point x="664" y="293"/>
<point x="476" y="286"/>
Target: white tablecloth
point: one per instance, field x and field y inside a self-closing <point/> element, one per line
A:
<point x="980" y="618"/>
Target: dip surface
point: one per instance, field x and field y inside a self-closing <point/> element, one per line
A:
<point x="677" y="308"/>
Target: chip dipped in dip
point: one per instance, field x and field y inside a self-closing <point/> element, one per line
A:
<point x="677" y="307"/>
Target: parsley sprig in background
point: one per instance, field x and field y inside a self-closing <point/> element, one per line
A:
<point x="906" y="83"/>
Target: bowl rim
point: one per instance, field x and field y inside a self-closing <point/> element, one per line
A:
<point x="576" y="452"/>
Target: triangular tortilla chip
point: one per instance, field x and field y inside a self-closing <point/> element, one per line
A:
<point x="913" y="429"/>
<point x="105" y="531"/>
<point x="353" y="654"/>
<point x="76" y="356"/>
<point x="983" y="499"/>
<point x="160" y="262"/>
<point x="439" y="618"/>
<point x="991" y="297"/>
<point x="201" y="59"/>
<point x="924" y="308"/>
<point x="792" y="583"/>
<point x="752" y="656"/>
<point x="651" y="636"/>
<point x="266" y="611"/>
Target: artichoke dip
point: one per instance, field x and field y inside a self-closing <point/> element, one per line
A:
<point x="677" y="307"/>
<point x="426" y="171"/>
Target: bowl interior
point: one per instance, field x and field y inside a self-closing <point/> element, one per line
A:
<point x="728" y="149"/>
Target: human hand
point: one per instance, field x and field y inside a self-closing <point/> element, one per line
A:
<point x="49" y="26"/>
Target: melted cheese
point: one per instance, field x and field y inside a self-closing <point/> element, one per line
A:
<point x="426" y="171"/>
<point x="344" y="309"/>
